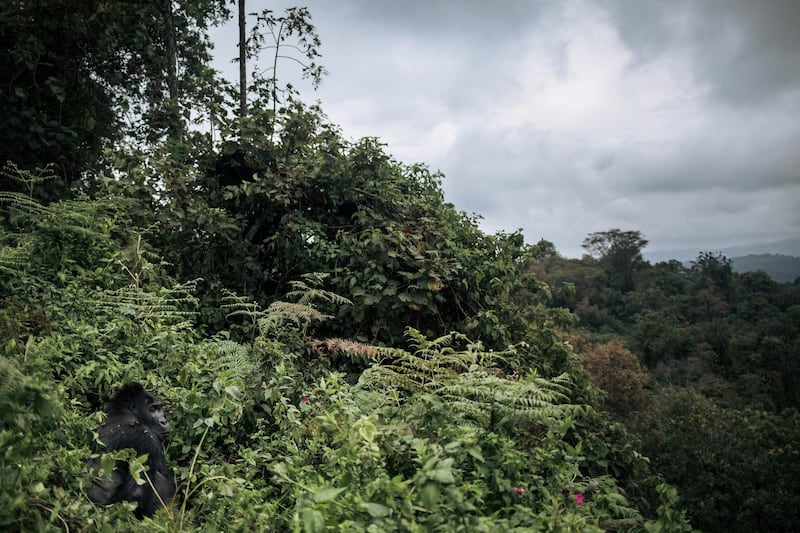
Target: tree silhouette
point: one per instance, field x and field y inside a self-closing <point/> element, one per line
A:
<point x="619" y="253"/>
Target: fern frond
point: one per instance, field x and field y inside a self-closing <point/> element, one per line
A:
<point x="14" y="258"/>
<point x="390" y="378"/>
<point x="300" y="313"/>
<point x="307" y="290"/>
<point x="539" y="400"/>
<point x="166" y="305"/>
<point x="86" y="218"/>
<point x="423" y="345"/>
<point x="235" y="358"/>
<point x="23" y="203"/>
<point x="279" y="313"/>
<point x="28" y="178"/>
<point x="466" y="381"/>
<point x="238" y="305"/>
<point x="332" y="348"/>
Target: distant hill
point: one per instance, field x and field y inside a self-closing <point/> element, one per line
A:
<point x="781" y="259"/>
<point x="781" y="268"/>
<point x="790" y="247"/>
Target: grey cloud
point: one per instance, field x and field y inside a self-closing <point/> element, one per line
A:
<point x="747" y="51"/>
<point x="464" y="19"/>
<point x="729" y="157"/>
<point x="755" y="54"/>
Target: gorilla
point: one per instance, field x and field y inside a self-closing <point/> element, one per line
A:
<point x="135" y="419"/>
<point x="233" y="169"/>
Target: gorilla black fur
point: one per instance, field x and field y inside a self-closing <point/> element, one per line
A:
<point x="135" y="419"/>
<point x="233" y="169"/>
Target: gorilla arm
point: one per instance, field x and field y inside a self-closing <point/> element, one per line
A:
<point x="123" y="433"/>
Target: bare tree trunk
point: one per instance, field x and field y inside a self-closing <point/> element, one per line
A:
<point x="176" y="123"/>
<point x="242" y="61"/>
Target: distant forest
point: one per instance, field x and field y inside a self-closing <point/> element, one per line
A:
<point x="781" y="268"/>
<point x="701" y="363"/>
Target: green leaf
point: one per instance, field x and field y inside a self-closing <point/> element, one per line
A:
<point x="327" y="494"/>
<point x="108" y="463"/>
<point x="313" y="520"/>
<point x="442" y="475"/>
<point x="376" y="510"/>
<point x="367" y="430"/>
<point x="430" y="495"/>
<point x="475" y="452"/>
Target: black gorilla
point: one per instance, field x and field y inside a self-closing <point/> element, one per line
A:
<point x="135" y="419"/>
<point x="232" y="169"/>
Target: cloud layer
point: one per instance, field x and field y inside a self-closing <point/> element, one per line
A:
<point x="679" y="119"/>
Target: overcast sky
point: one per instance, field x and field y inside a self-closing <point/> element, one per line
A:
<point x="680" y="118"/>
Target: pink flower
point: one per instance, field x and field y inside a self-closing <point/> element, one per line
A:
<point x="303" y="399"/>
<point x="579" y="499"/>
<point x="521" y="490"/>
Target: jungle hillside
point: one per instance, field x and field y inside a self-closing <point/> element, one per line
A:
<point x="338" y="347"/>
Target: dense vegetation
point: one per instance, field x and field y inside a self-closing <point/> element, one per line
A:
<point x="277" y="426"/>
<point x="701" y="363"/>
<point x="339" y="347"/>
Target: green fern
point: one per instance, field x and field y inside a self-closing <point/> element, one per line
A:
<point x="84" y="217"/>
<point x="433" y="363"/>
<point x="21" y="204"/>
<point x="532" y="398"/>
<point x="16" y="248"/>
<point x="235" y="358"/>
<point x="14" y="257"/>
<point x="470" y="384"/>
<point x="164" y="305"/>
<point x="238" y="306"/>
<point x="89" y="219"/>
<point x="279" y="314"/>
<point x="29" y="179"/>
<point x="307" y="291"/>
<point x="300" y="313"/>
